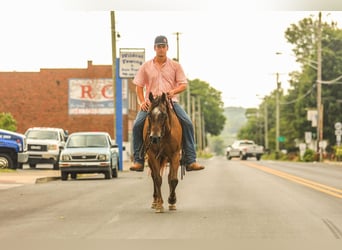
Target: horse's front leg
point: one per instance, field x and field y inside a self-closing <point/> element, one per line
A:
<point x="154" y="202"/>
<point x="157" y="203"/>
<point x="173" y="182"/>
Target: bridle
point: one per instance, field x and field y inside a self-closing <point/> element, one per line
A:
<point x="157" y="114"/>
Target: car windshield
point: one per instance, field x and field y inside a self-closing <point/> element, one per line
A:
<point x="246" y="143"/>
<point x="42" y="135"/>
<point x="85" y="141"/>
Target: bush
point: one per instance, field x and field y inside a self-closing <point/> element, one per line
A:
<point x="309" y="155"/>
<point x="7" y="122"/>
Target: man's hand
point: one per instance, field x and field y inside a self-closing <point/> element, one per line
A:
<point x="144" y="106"/>
<point x="170" y="94"/>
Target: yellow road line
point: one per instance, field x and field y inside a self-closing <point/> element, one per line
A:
<point x="314" y="185"/>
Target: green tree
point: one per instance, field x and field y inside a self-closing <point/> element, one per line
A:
<point x="7" y="122"/>
<point x="217" y="145"/>
<point x="303" y="92"/>
<point x="210" y="103"/>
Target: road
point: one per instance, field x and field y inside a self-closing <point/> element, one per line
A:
<point x="233" y="200"/>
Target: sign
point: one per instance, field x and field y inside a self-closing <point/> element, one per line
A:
<point x="130" y="62"/>
<point x="323" y="144"/>
<point x="338" y="132"/>
<point x="308" y="137"/>
<point x="281" y="138"/>
<point x="90" y="96"/>
<point x="313" y="117"/>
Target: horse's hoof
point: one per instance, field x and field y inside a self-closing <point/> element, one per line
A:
<point x="154" y="205"/>
<point x="172" y="207"/>
<point x="159" y="210"/>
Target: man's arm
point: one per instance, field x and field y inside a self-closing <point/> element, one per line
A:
<point x="177" y="90"/>
<point x="141" y="98"/>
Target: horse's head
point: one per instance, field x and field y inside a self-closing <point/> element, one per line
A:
<point x="157" y="116"/>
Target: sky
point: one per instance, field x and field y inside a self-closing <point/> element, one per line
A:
<point x="231" y="47"/>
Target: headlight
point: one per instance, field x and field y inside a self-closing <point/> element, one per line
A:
<point x="52" y="147"/>
<point x="66" y="158"/>
<point x="102" y="157"/>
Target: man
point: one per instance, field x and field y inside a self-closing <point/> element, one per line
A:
<point x="158" y="75"/>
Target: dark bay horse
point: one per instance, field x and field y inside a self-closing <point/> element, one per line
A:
<point x="162" y="144"/>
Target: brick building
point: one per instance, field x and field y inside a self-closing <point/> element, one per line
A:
<point x="77" y="99"/>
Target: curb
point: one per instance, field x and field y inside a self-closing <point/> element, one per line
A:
<point x="46" y="179"/>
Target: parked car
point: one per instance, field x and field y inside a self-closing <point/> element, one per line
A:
<point x="13" y="149"/>
<point x="244" y="149"/>
<point x="89" y="152"/>
<point x="44" y="145"/>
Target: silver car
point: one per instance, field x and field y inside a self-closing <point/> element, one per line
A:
<point x="89" y="152"/>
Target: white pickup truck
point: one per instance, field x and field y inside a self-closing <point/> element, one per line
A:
<point x="244" y="149"/>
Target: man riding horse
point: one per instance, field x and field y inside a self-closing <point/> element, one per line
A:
<point x="162" y="75"/>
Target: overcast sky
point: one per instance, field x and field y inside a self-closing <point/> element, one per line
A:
<point x="230" y="47"/>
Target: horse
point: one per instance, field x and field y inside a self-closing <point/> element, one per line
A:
<point x="162" y="135"/>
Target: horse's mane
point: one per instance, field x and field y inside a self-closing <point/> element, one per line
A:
<point x="162" y="102"/>
<point x="156" y="101"/>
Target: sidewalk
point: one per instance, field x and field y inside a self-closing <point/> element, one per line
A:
<point x="28" y="176"/>
<point x="34" y="176"/>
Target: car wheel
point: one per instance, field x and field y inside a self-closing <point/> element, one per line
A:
<point x="56" y="166"/>
<point x="108" y="174"/>
<point x="115" y="173"/>
<point x="64" y="176"/>
<point x="32" y="165"/>
<point x="115" y="170"/>
<point x="5" y="161"/>
<point x="73" y="176"/>
<point x="243" y="157"/>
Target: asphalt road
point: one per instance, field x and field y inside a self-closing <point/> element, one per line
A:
<point x="229" y="200"/>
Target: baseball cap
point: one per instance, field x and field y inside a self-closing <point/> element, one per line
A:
<point x="160" y="40"/>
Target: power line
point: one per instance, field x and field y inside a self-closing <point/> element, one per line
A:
<point x="300" y="97"/>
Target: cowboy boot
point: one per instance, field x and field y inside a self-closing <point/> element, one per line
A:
<point x="137" y="167"/>
<point x="194" y="167"/>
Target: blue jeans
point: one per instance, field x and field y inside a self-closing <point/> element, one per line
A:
<point x="189" y="151"/>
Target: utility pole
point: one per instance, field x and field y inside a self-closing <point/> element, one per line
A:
<point x="319" y="87"/>
<point x="112" y="16"/>
<point x="277" y="116"/>
<point x="199" y="124"/>
<point x="177" y="37"/>
<point x="188" y="88"/>
<point x="266" y="124"/>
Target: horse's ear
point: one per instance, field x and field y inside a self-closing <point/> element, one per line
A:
<point x="150" y="96"/>
<point x="163" y="97"/>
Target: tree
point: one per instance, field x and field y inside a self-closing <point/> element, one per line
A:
<point x="7" y="122"/>
<point x="303" y="92"/>
<point x="211" y="105"/>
